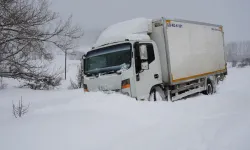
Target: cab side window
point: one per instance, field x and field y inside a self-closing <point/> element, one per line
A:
<point x="151" y="54"/>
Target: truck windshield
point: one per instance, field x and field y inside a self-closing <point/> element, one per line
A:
<point x="108" y="59"/>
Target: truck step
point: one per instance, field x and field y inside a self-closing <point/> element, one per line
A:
<point x="179" y="96"/>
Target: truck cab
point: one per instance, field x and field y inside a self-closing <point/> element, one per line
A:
<point x="131" y="67"/>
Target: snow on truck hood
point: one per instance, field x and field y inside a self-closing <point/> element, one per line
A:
<point x="135" y="29"/>
<point x="106" y="82"/>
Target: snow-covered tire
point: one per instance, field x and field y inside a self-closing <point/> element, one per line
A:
<point x="156" y="94"/>
<point x="209" y="88"/>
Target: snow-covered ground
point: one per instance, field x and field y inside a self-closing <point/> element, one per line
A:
<point x="73" y="120"/>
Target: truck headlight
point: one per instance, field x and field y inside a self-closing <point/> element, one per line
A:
<point x="85" y="88"/>
<point x="125" y="84"/>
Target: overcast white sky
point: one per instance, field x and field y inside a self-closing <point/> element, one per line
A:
<point x="234" y="15"/>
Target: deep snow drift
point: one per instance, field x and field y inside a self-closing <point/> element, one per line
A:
<point x="73" y="120"/>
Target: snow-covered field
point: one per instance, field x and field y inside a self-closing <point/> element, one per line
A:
<point x="73" y="120"/>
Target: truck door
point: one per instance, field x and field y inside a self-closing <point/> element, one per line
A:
<point x="147" y="78"/>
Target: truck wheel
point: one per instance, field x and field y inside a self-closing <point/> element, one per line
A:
<point x="210" y="88"/>
<point x="156" y="94"/>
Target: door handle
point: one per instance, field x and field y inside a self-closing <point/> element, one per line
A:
<point x="137" y="77"/>
<point x="156" y="76"/>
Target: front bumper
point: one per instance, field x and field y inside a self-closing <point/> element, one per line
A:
<point x="121" y="91"/>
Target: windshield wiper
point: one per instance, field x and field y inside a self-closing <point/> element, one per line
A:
<point x="108" y="72"/>
<point x="90" y="74"/>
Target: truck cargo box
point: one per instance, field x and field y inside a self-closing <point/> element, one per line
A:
<point x="193" y="50"/>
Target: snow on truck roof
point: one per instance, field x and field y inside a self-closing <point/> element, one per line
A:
<point x="135" y="29"/>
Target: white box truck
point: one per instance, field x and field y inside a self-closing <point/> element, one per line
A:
<point x="146" y="58"/>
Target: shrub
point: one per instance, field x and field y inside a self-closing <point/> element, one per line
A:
<point x="19" y="110"/>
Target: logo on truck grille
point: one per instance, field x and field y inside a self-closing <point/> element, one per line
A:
<point x="103" y="88"/>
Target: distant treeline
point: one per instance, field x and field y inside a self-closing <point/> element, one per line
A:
<point x="237" y="51"/>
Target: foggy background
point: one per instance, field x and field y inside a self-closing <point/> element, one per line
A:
<point x="94" y="15"/>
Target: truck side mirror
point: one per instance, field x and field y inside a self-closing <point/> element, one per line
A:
<point x="143" y="52"/>
<point x="144" y="65"/>
<point x="144" y="57"/>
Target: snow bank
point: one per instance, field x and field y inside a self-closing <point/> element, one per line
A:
<point x="74" y="120"/>
<point x="135" y="29"/>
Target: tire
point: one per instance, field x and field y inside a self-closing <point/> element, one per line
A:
<point x="156" y="94"/>
<point x="210" y="88"/>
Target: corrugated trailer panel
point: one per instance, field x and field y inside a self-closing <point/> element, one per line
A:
<point x="195" y="50"/>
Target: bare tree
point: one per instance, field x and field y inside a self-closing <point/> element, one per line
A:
<point x="28" y="28"/>
<point x="2" y="84"/>
<point x="234" y="63"/>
